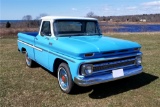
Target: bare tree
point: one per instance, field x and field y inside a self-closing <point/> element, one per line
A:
<point x="28" y="20"/>
<point x="41" y="15"/>
<point x="90" y="14"/>
<point x="27" y="17"/>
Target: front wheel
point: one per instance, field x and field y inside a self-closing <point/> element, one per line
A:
<point x="65" y="78"/>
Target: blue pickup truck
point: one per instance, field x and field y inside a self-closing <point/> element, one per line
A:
<point x="75" y="49"/>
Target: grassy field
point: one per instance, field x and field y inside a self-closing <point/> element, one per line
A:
<point x="36" y="87"/>
<point x="12" y="32"/>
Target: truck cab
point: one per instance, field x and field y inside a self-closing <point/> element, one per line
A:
<point x="75" y="49"/>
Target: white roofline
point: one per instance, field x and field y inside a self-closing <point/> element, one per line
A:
<point x="66" y="17"/>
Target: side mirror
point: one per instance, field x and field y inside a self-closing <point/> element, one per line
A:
<point x="42" y="34"/>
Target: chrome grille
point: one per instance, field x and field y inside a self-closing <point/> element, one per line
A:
<point x="108" y="65"/>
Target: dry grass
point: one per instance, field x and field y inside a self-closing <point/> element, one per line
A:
<point x="35" y="87"/>
<point x="11" y="32"/>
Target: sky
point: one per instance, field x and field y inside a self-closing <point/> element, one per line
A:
<point x="16" y="9"/>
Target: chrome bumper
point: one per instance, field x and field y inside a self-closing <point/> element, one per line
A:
<point x="88" y="81"/>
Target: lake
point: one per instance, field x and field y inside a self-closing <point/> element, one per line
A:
<point x="116" y="28"/>
<point x="131" y="28"/>
<point x="139" y="28"/>
<point x="11" y="21"/>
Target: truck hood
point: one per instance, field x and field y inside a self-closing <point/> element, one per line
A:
<point x="77" y="46"/>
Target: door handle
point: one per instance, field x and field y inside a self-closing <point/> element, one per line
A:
<point x="47" y="38"/>
<point x="50" y="43"/>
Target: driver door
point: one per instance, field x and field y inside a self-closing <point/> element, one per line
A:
<point x="42" y="43"/>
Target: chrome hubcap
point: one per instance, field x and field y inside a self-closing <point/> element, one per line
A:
<point x="63" y="78"/>
<point x="28" y="60"/>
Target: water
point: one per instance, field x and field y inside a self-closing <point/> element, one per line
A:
<point x="139" y="28"/>
<point x="11" y="21"/>
<point x="131" y="28"/>
<point x="121" y="28"/>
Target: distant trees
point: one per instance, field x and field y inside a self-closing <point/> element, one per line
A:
<point x="27" y="19"/>
<point x="29" y="22"/>
<point x="41" y="15"/>
<point x="128" y="18"/>
<point x="90" y="14"/>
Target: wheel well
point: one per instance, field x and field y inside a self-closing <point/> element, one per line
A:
<point x="23" y="50"/>
<point x="56" y="64"/>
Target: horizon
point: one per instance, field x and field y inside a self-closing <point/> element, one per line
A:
<point x="15" y="10"/>
<point x="82" y="16"/>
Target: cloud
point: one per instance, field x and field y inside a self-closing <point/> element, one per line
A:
<point x="150" y="7"/>
<point x="153" y="3"/>
<point x="106" y="9"/>
<point x="117" y="9"/>
<point x="131" y="8"/>
<point x="74" y="9"/>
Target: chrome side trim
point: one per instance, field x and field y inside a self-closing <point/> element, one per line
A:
<point x="97" y="79"/>
<point x="30" y="45"/>
<point x="45" y="50"/>
<point x="62" y="57"/>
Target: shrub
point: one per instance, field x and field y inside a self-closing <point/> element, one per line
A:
<point x="8" y="25"/>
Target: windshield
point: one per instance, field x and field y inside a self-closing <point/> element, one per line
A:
<point x="76" y="27"/>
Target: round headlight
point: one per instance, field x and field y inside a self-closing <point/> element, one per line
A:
<point x="87" y="69"/>
<point x="138" y="60"/>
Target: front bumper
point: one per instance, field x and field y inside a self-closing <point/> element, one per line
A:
<point x="92" y="80"/>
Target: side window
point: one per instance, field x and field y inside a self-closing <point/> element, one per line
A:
<point x="46" y="30"/>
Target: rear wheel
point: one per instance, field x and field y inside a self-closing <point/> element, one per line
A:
<point x="29" y="62"/>
<point x="65" y="78"/>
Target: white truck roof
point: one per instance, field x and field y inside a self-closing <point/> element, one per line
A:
<point x="65" y="17"/>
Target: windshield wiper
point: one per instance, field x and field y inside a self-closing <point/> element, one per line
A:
<point x="90" y="34"/>
<point x="78" y="34"/>
<point x="63" y="35"/>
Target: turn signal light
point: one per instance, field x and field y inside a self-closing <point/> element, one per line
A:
<point x="136" y="49"/>
<point x="89" y="54"/>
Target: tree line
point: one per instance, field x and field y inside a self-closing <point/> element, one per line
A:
<point x="28" y="20"/>
<point x="127" y="18"/>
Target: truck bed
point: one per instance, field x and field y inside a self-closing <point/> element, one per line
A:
<point x="26" y="41"/>
<point x="30" y="33"/>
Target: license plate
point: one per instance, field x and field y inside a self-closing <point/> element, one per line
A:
<point x="117" y="73"/>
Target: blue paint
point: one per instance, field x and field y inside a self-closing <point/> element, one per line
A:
<point x="88" y="44"/>
<point x="72" y="49"/>
<point x="31" y="33"/>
